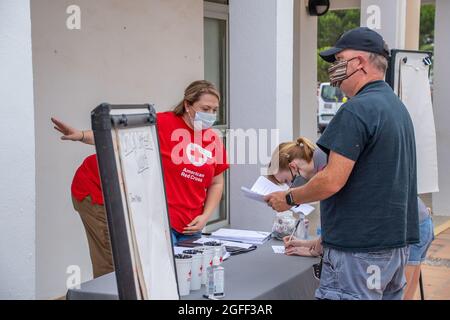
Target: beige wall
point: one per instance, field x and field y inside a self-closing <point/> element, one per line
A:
<point x="126" y="52"/>
<point x="441" y="93"/>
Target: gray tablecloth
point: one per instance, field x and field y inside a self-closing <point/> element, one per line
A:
<point x="257" y="275"/>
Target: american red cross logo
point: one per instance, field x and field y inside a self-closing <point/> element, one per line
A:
<point x="197" y="155"/>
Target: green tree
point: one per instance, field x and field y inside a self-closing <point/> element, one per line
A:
<point x="333" y="24"/>
<point x="322" y="67"/>
<point x="330" y="27"/>
<point x="426" y="38"/>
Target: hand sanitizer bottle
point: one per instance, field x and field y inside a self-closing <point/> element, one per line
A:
<point x="215" y="283"/>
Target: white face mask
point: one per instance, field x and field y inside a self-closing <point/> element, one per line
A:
<point x="203" y="120"/>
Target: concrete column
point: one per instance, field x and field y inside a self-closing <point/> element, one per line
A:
<point x="17" y="163"/>
<point x="388" y="17"/>
<point x="260" y="91"/>
<point x="305" y="72"/>
<point x="412" y="28"/>
<point x="441" y="92"/>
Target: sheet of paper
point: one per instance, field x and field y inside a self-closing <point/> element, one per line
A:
<point x="145" y="201"/>
<point x="416" y="95"/>
<point x="306" y="209"/>
<point x="226" y="243"/>
<point x="261" y="188"/>
<point x="245" y="236"/>
<point x="278" y="249"/>
<point x="252" y="195"/>
<point x="242" y="234"/>
<point x="264" y="186"/>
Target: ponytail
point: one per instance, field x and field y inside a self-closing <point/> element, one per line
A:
<point x="307" y="148"/>
<point x="286" y="152"/>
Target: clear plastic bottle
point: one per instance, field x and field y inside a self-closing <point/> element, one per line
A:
<point x="215" y="283"/>
<point x="319" y="231"/>
<point x="302" y="229"/>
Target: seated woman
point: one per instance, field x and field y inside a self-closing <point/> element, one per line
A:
<point x="299" y="161"/>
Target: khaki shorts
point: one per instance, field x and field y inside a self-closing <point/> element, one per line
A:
<point x="376" y="275"/>
<point x="94" y="220"/>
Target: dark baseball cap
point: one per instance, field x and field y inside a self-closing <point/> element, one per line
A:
<point x="361" y="38"/>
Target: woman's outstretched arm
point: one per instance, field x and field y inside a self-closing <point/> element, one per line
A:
<point x="73" y="134"/>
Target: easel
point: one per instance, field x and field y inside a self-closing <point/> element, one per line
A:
<point x="130" y="168"/>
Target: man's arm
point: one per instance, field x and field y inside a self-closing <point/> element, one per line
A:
<point x="327" y="182"/>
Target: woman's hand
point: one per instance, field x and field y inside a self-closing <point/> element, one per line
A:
<point x="300" y="251"/>
<point x="68" y="132"/>
<point x="297" y="243"/>
<point x="73" y="134"/>
<point x="304" y="248"/>
<point x="196" y="225"/>
<point x="213" y="197"/>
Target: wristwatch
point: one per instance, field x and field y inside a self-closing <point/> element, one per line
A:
<point x="289" y="198"/>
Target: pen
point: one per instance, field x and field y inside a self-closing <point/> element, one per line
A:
<point x="295" y="229"/>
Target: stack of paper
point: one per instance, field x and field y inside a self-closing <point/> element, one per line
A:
<point x="225" y="243"/>
<point x="246" y="236"/>
<point x="263" y="187"/>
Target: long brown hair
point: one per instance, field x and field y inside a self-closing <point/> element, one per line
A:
<point x="194" y="92"/>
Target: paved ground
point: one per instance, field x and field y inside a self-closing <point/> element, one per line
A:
<point x="436" y="269"/>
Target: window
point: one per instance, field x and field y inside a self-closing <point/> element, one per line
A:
<point x="216" y="71"/>
<point x="332" y="94"/>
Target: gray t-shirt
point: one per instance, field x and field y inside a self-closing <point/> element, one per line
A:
<point x="320" y="159"/>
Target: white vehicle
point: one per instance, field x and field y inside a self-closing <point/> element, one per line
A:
<point x="330" y="99"/>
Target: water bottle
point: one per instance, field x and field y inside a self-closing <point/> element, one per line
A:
<point x="306" y="223"/>
<point x="215" y="283"/>
<point x="302" y="229"/>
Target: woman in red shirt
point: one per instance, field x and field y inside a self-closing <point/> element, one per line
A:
<point x="193" y="161"/>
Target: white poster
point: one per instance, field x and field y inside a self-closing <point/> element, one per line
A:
<point x="144" y="187"/>
<point x="416" y="95"/>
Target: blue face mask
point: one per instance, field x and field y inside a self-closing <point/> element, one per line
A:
<point x="204" y="120"/>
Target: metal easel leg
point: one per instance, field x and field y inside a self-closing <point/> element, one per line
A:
<point x="422" y="296"/>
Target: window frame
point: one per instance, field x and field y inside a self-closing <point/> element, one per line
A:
<point x="221" y="12"/>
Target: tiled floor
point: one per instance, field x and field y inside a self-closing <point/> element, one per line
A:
<point x="436" y="269"/>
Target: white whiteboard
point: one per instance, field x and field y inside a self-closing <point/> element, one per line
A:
<point x="412" y="85"/>
<point x="142" y="183"/>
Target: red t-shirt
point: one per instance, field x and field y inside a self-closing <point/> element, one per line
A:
<point x="190" y="161"/>
<point x="86" y="181"/>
